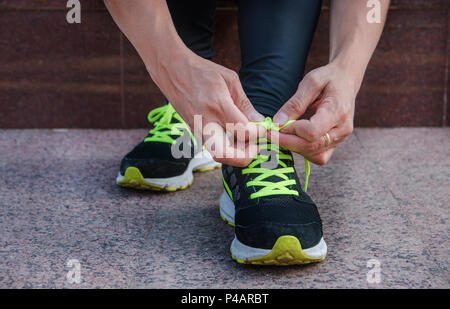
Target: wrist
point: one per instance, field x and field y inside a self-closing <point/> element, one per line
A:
<point x="161" y="58"/>
<point x="349" y="71"/>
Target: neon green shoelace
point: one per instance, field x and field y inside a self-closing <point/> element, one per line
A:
<point x="270" y="187"/>
<point x="164" y="129"/>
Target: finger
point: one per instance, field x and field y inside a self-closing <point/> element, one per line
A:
<point x="227" y="150"/>
<point x="250" y="132"/>
<point x="314" y="152"/>
<point x="316" y="127"/>
<point x="233" y="120"/>
<point x="334" y="138"/>
<point x="306" y="148"/>
<point x="240" y="153"/>
<point x="240" y="99"/>
<point x="322" y="158"/>
<point x="308" y="91"/>
<point x="289" y="141"/>
<point x="233" y="108"/>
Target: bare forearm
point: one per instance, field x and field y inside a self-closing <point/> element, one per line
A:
<point x="193" y="85"/>
<point x="149" y="27"/>
<point x="352" y="38"/>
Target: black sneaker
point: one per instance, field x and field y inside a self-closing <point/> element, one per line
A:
<point x="276" y="222"/>
<point x="151" y="165"/>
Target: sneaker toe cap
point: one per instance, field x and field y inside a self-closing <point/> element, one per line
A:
<point x="260" y="226"/>
<point x="265" y="234"/>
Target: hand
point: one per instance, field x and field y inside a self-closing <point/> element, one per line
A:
<point x="196" y="86"/>
<point x="330" y="92"/>
<point x="193" y="85"/>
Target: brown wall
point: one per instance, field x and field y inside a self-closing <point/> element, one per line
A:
<point x="55" y="74"/>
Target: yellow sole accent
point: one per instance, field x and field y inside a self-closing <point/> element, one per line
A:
<point x="226" y="221"/>
<point x="134" y="179"/>
<point x="286" y="251"/>
<point x="207" y="169"/>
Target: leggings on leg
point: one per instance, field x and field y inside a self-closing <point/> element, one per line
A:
<point x="275" y="37"/>
<point x="194" y="22"/>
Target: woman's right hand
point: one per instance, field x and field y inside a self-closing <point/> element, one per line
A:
<point x="193" y="85"/>
<point x="196" y="86"/>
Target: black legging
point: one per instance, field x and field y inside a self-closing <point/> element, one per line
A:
<point x="275" y="36"/>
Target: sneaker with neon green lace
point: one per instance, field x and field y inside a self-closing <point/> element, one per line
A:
<point x="152" y="164"/>
<point x="276" y="222"/>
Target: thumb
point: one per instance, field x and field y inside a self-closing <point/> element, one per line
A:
<point x="308" y="90"/>
<point x="241" y="100"/>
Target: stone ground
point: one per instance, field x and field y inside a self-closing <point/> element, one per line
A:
<point x="385" y="195"/>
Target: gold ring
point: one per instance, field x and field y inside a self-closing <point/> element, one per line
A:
<point x="327" y="139"/>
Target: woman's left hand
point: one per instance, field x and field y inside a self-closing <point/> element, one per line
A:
<point x="330" y="92"/>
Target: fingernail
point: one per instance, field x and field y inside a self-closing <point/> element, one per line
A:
<point x="281" y="118"/>
<point x="255" y="116"/>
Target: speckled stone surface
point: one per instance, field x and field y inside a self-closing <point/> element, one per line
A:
<point x="384" y="195"/>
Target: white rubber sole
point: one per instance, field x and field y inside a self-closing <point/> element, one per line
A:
<point x="226" y="208"/>
<point x="202" y="161"/>
<point x="246" y="254"/>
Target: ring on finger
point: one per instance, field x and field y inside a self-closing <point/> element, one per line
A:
<point x="327" y="139"/>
